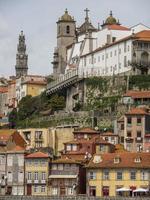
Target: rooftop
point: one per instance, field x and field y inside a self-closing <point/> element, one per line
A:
<point x="126" y="160"/>
<point x="137" y="94"/>
<point x="38" y="155"/>
<point x="136" y="111"/>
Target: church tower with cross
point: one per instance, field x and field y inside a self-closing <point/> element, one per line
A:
<point x="66" y="33"/>
<point x="87" y="25"/>
<point x="21" y="57"/>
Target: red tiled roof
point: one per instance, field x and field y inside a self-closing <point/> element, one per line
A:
<point x="17" y="149"/>
<point x="137" y="94"/>
<point x="136" y="111"/>
<point x="142" y="36"/>
<point x="117" y="27"/>
<point x="3" y="89"/>
<point x="37" y="155"/>
<point x="5" y="134"/>
<point x="35" y="82"/>
<point x="126" y="160"/>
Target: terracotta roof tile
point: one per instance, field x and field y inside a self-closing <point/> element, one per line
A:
<point x="126" y="160"/>
<point x="5" y="134"/>
<point x="108" y="134"/>
<point x="17" y="149"/>
<point x="137" y="111"/>
<point x="3" y="89"/>
<point x="137" y="94"/>
<point x="117" y="27"/>
<point x="38" y="155"/>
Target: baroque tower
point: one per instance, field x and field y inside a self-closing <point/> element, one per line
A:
<point x="66" y="28"/>
<point x="21" y="57"/>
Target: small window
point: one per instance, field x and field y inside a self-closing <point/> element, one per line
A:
<point x="42" y="188"/>
<point x="92" y="175"/>
<point x="129" y="121"/>
<point x="106" y="175"/>
<point x="137" y="160"/>
<point x="67" y="29"/>
<point x="139" y="121"/>
<point x="133" y="175"/>
<point x="139" y="134"/>
<point x="129" y="134"/>
<point x="119" y="175"/>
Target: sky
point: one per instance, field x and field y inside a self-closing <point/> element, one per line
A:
<point x="37" y="19"/>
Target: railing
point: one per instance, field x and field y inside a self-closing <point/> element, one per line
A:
<point x="62" y="172"/>
<point x="63" y="78"/>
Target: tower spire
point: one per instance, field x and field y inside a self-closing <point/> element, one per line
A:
<point x="21" y="57"/>
<point x="87" y="16"/>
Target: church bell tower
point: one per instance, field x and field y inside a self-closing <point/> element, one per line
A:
<point x="66" y="28"/>
<point x="21" y="57"/>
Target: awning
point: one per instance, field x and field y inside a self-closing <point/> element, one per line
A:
<point x="141" y="190"/>
<point x="63" y="176"/>
<point x="123" y="189"/>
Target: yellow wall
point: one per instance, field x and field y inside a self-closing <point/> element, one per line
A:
<point x="37" y="168"/>
<point x="35" y="90"/>
<point x="112" y="182"/>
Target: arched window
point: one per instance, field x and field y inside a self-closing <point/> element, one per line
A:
<point x="67" y="29"/>
<point x="144" y="58"/>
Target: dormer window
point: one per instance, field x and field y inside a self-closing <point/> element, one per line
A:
<point x="117" y="160"/>
<point x="68" y="147"/>
<point x="137" y="160"/>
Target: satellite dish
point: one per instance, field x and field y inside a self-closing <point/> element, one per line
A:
<point x="96" y="128"/>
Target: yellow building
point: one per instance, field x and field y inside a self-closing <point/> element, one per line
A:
<point x="47" y="137"/>
<point x="114" y="174"/>
<point x="37" y="171"/>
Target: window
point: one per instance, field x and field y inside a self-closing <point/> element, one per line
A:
<point x="68" y="147"/>
<point x="119" y="51"/>
<point x="125" y="46"/>
<point x="92" y="175"/>
<point x="111" y="54"/>
<point x="125" y="61"/>
<point x="21" y="161"/>
<point x="43" y="175"/>
<point x="139" y="121"/>
<point x="133" y="175"/>
<point x="38" y="134"/>
<point x="29" y="176"/>
<point x="20" y="176"/>
<point x="9" y="177"/>
<point x="122" y="139"/>
<point x="144" y="175"/>
<point x="129" y="121"/>
<point x="42" y="188"/>
<point x="122" y="127"/>
<point x="70" y="191"/>
<point x="67" y="29"/>
<point x="35" y="175"/>
<point x="54" y="191"/>
<point x="54" y="167"/>
<point x="128" y="48"/>
<point x="84" y="61"/>
<point x="36" y="188"/>
<point x="139" y="134"/>
<point x="10" y="161"/>
<point x="106" y="175"/>
<point x="60" y="166"/>
<point x="113" y="39"/>
<point x="115" y="52"/>
<point x="74" y="147"/>
<point x="92" y="191"/>
<point x="119" y="175"/>
<point x="129" y="134"/>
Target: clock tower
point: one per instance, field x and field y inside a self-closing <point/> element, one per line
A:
<point x="21" y="57"/>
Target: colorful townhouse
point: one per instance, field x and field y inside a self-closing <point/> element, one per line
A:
<point x="67" y="177"/>
<point x="36" y="173"/>
<point x="136" y="127"/>
<point x="113" y="174"/>
<point x="12" y="147"/>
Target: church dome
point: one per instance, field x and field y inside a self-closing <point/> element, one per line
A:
<point x="111" y="20"/>
<point x="66" y="17"/>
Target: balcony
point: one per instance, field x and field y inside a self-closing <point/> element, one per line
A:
<point x="62" y="172"/>
<point x="32" y="181"/>
<point x="139" y="139"/>
<point x="129" y="139"/>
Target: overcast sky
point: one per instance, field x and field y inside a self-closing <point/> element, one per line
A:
<point x="37" y="18"/>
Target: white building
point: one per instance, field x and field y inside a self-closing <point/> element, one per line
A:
<point x="110" y="50"/>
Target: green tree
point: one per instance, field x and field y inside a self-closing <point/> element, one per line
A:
<point x="13" y="117"/>
<point x="56" y="102"/>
